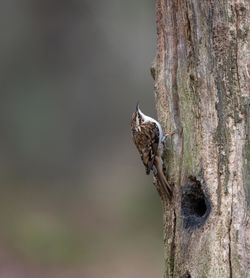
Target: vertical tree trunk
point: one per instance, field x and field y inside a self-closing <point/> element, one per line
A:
<point x="202" y="89"/>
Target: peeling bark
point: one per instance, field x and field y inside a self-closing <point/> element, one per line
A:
<point x="202" y="90"/>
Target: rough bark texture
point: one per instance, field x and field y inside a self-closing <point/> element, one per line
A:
<point x="202" y="89"/>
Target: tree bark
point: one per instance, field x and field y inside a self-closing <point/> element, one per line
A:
<point x="202" y="90"/>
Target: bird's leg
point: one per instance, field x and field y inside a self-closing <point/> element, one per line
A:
<point x="163" y="140"/>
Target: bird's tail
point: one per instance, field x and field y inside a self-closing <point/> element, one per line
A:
<point x="161" y="179"/>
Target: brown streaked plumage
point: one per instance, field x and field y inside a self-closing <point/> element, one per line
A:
<point x="147" y="136"/>
<point x="147" y="140"/>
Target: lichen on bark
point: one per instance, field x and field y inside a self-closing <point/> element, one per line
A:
<point x="202" y="90"/>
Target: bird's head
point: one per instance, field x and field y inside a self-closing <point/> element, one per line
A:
<point x="137" y="119"/>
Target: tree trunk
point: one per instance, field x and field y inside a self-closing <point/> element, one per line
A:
<point x="202" y="89"/>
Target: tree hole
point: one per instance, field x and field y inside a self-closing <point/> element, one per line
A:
<point x="195" y="205"/>
<point x="186" y="275"/>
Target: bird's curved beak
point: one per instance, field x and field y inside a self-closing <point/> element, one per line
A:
<point x="137" y="106"/>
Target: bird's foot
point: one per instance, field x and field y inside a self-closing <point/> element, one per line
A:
<point x="163" y="140"/>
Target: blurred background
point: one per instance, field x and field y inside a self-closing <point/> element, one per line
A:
<point x="74" y="197"/>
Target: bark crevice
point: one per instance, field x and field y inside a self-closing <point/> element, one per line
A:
<point x="173" y="246"/>
<point x="230" y="238"/>
<point x="237" y="22"/>
<point x="202" y="91"/>
<point x="229" y="250"/>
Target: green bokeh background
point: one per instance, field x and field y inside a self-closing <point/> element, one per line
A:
<point x="75" y="200"/>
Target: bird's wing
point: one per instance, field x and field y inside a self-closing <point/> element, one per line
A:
<point x="147" y="141"/>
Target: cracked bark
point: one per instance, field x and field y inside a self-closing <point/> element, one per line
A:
<point x="202" y="90"/>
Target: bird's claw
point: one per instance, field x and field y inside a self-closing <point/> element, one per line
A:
<point x="163" y="140"/>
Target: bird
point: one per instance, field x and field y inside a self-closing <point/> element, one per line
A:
<point x="148" y="138"/>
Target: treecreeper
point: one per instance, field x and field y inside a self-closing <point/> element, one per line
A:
<point x="148" y="138"/>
